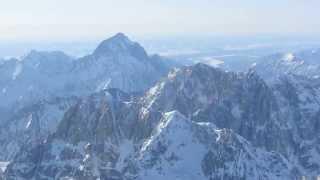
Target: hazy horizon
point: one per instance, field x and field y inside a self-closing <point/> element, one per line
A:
<point x="44" y="20"/>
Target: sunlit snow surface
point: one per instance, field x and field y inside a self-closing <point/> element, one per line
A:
<point x="3" y="166"/>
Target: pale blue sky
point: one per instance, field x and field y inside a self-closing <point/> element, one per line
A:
<point x="91" y="19"/>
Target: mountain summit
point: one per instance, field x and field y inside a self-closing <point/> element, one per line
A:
<point x="117" y="62"/>
<point x="36" y="90"/>
<point x="120" y="44"/>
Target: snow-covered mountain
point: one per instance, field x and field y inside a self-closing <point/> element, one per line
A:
<point x="37" y="90"/>
<point x="304" y="63"/>
<point x="117" y="62"/>
<point x="198" y="123"/>
<point x="31" y="125"/>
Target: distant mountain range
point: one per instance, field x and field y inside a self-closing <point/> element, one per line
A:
<point x="117" y="62"/>
<point x="191" y="122"/>
<point x="37" y="89"/>
<point x="304" y="63"/>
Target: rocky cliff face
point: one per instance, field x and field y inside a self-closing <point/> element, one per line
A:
<point x="37" y="90"/>
<point x="293" y="77"/>
<point x="242" y="102"/>
<point x="298" y="99"/>
<point x="88" y="142"/>
<point x="32" y="125"/>
<point x="198" y="123"/>
<point x="117" y="62"/>
<point x="183" y="149"/>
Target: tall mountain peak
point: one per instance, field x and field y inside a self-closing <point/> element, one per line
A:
<point x="120" y="44"/>
<point x="120" y="36"/>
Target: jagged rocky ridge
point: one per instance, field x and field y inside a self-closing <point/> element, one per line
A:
<point x="116" y="63"/>
<point x="31" y="125"/>
<point x="36" y="90"/>
<point x="198" y="123"/>
<point x="303" y="63"/>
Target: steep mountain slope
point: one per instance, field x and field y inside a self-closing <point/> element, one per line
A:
<point x="304" y="63"/>
<point x="87" y="143"/>
<point x="117" y="62"/>
<point x="299" y="101"/>
<point x="294" y="78"/>
<point x="198" y="123"/>
<point x="39" y="75"/>
<point x="41" y="86"/>
<point x="95" y="148"/>
<point x="280" y="117"/>
<point x="31" y="125"/>
<point x="182" y="149"/>
<point x="242" y="102"/>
